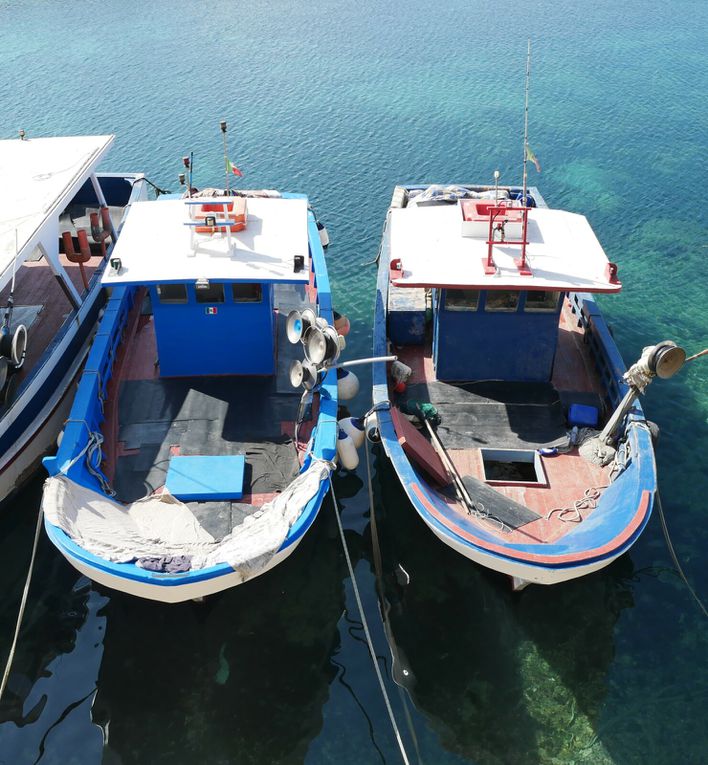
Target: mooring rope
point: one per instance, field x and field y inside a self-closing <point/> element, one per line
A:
<point x="365" y="624"/>
<point x="23" y="603"/>
<point x="674" y="557"/>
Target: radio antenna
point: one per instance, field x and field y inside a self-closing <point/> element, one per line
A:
<point x="526" y="118"/>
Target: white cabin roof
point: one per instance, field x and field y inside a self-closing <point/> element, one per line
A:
<point x="562" y="252"/>
<point x="39" y="178"/>
<point x="155" y="246"/>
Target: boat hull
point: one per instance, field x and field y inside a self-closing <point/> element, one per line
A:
<point x="623" y="509"/>
<point x="165" y="588"/>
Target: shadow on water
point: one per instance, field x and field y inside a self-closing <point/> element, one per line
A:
<point x="502" y="677"/>
<point x="45" y="712"/>
<point x="240" y="677"/>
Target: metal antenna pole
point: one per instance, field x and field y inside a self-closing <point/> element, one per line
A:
<point x="526" y="117"/>
<point x="222" y="125"/>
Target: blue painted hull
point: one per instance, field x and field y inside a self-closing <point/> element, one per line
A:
<point x="31" y="417"/>
<point x="87" y="414"/>
<point x="623" y="510"/>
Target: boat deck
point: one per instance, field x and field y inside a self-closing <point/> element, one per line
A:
<point x="41" y="305"/>
<point x="150" y="419"/>
<point x="524" y="416"/>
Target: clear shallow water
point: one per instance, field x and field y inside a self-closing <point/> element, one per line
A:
<point x="342" y="103"/>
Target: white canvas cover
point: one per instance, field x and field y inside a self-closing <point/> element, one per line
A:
<point x="163" y="526"/>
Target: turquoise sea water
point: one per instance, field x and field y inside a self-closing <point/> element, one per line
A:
<point x="342" y="101"/>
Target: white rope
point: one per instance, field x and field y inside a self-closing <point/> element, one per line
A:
<point x="23" y="603"/>
<point x="92" y="448"/>
<point x="365" y="624"/>
<point x="572" y="514"/>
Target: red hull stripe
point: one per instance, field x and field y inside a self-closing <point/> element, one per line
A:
<point x="507" y="552"/>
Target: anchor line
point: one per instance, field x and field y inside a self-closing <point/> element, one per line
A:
<point x="23" y="604"/>
<point x="674" y="557"/>
<point x="365" y="624"/>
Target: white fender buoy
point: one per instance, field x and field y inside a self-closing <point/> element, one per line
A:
<point x="347" y="384"/>
<point x="354" y="428"/>
<point x="341" y="324"/>
<point x="371" y="428"/>
<point x="346" y="451"/>
<point x="324" y="236"/>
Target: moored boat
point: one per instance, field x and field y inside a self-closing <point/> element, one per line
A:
<point x="533" y="457"/>
<point x="188" y="464"/>
<point x="59" y="219"/>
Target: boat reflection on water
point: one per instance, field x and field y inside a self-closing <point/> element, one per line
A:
<point x="501" y="676"/>
<point x="46" y="709"/>
<point x="240" y="677"/>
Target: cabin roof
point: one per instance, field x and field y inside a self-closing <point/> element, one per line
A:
<point x="39" y="178"/>
<point x="562" y="251"/>
<point x="157" y="246"/>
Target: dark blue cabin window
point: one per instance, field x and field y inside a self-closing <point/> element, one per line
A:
<point x="172" y="293"/>
<point x="461" y="300"/>
<point x="210" y="293"/>
<point x="501" y="300"/>
<point x="247" y="293"/>
<point x="542" y="302"/>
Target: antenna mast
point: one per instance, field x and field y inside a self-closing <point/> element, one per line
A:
<point x="222" y="125"/>
<point x="526" y="117"/>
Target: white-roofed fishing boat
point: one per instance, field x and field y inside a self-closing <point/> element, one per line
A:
<point x="189" y="464"/>
<point x="534" y="457"/>
<point x="59" y="219"/>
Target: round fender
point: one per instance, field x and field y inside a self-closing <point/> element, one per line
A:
<point x="347" y="384"/>
<point x="346" y="451"/>
<point x="354" y="428"/>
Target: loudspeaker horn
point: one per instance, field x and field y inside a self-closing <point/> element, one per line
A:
<point x="298" y="323"/>
<point x="302" y="374"/>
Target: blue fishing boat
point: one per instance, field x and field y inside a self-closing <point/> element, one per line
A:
<point x="59" y="219"/>
<point x="510" y="417"/>
<point x="188" y="463"/>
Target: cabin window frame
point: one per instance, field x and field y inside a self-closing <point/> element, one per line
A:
<point x="172" y="300"/>
<point x="466" y="307"/>
<point x="489" y="293"/>
<point x="206" y="296"/>
<point x="250" y="300"/>
<point x="546" y="309"/>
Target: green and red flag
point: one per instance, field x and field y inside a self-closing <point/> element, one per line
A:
<point x="231" y="168"/>
<point x="532" y="158"/>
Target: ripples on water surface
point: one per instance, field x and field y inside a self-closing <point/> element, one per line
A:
<point x="343" y="101"/>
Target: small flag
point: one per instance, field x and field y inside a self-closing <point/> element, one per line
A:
<point x="212" y="310"/>
<point x="231" y="168"/>
<point x="532" y="158"/>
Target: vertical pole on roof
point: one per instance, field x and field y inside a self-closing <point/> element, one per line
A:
<point x="526" y="117"/>
<point x="222" y="125"/>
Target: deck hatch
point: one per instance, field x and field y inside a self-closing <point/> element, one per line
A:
<point x="513" y="466"/>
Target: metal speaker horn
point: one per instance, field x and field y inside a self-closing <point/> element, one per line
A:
<point x="303" y="374"/>
<point x="322" y="345"/>
<point x="298" y="323"/>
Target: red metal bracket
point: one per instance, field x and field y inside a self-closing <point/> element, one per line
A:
<point x="504" y="211"/>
